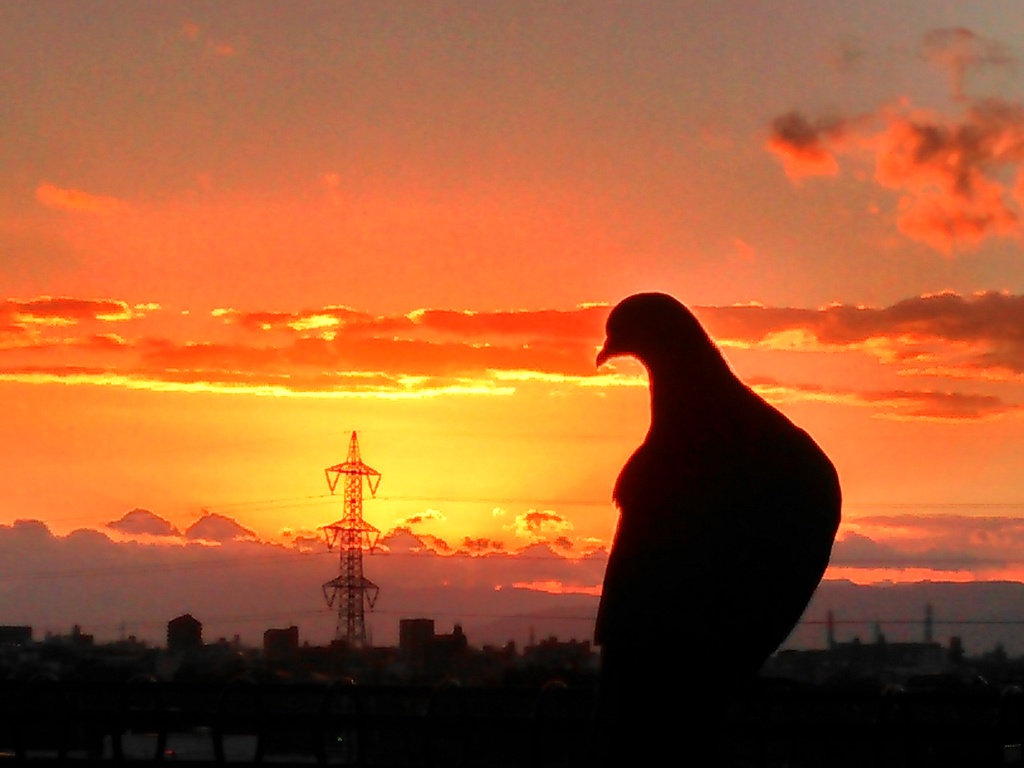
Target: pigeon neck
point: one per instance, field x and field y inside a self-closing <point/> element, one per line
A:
<point x="687" y="388"/>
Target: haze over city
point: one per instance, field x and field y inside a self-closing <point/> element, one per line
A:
<point x="233" y="233"/>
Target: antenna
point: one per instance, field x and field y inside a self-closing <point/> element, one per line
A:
<point x="351" y="590"/>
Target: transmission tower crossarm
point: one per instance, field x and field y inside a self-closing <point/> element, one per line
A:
<point x="370" y="533"/>
<point x="353" y="465"/>
<point x="371" y="591"/>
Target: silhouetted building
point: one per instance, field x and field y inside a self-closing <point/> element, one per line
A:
<point x="185" y="633"/>
<point x="76" y="638"/>
<point x="880" y="660"/>
<point x="281" y="645"/>
<point x="454" y="644"/>
<point x="555" y="654"/>
<point x="956" y="650"/>
<point x="80" y="639"/>
<point x="414" y="638"/>
<point x="447" y="653"/>
<point x="431" y="654"/>
<point x="15" y="635"/>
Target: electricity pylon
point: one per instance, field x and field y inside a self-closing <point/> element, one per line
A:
<point x="351" y="591"/>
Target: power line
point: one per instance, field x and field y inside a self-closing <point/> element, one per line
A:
<point x="502" y="500"/>
<point x="935" y="505"/>
<point x="247" y="618"/>
<point x="914" y="622"/>
<point x="115" y="570"/>
<point x="284" y="556"/>
<point x="264" y="505"/>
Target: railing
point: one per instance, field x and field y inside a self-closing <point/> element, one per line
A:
<point x="770" y="725"/>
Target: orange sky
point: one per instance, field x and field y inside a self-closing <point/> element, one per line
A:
<point x="230" y="234"/>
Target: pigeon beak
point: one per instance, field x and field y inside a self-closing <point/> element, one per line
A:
<point x="605" y="353"/>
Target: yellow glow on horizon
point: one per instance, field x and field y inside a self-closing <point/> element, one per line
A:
<point x="314" y="322"/>
<point x="875" y="576"/>
<point x="558" y="588"/>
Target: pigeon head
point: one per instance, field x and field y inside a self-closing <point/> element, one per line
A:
<point x="654" y="328"/>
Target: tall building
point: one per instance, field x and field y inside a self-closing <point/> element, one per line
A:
<point x="281" y="645"/>
<point x="184" y="633"/>
<point x="414" y="638"/>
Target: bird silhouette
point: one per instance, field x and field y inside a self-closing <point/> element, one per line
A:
<point x="728" y="512"/>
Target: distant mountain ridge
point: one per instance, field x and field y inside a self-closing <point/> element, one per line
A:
<point x="982" y="614"/>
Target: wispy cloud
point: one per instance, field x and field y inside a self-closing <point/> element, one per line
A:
<point x="67" y="199"/>
<point x="980" y="335"/>
<point x="898" y="404"/>
<point x="196" y="34"/>
<point x="427" y="516"/>
<point x="979" y="544"/>
<point x="959" y="50"/>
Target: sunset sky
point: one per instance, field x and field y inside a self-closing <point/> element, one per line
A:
<point x="231" y="233"/>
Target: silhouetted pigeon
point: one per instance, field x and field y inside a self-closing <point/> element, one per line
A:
<point x="728" y="512"/>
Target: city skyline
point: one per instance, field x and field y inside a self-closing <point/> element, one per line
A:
<point x="233" y="234"/>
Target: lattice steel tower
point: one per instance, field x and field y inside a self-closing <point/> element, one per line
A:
<point x="351" y="591"/>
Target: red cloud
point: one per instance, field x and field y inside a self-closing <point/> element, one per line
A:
<point x="358" y="343"/>
<point x="581" y="323"/>
<point x="479" y="546"/>
<point x="803" y="145"/>
<point x="951" y="172"/>
<point x="327" y="317"/>
<point x="65" y="310"/>
<point x="960" y="178"/>
<point x="948" y="335"/>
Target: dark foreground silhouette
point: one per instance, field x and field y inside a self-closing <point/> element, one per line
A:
<point x="728" y="512"/>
